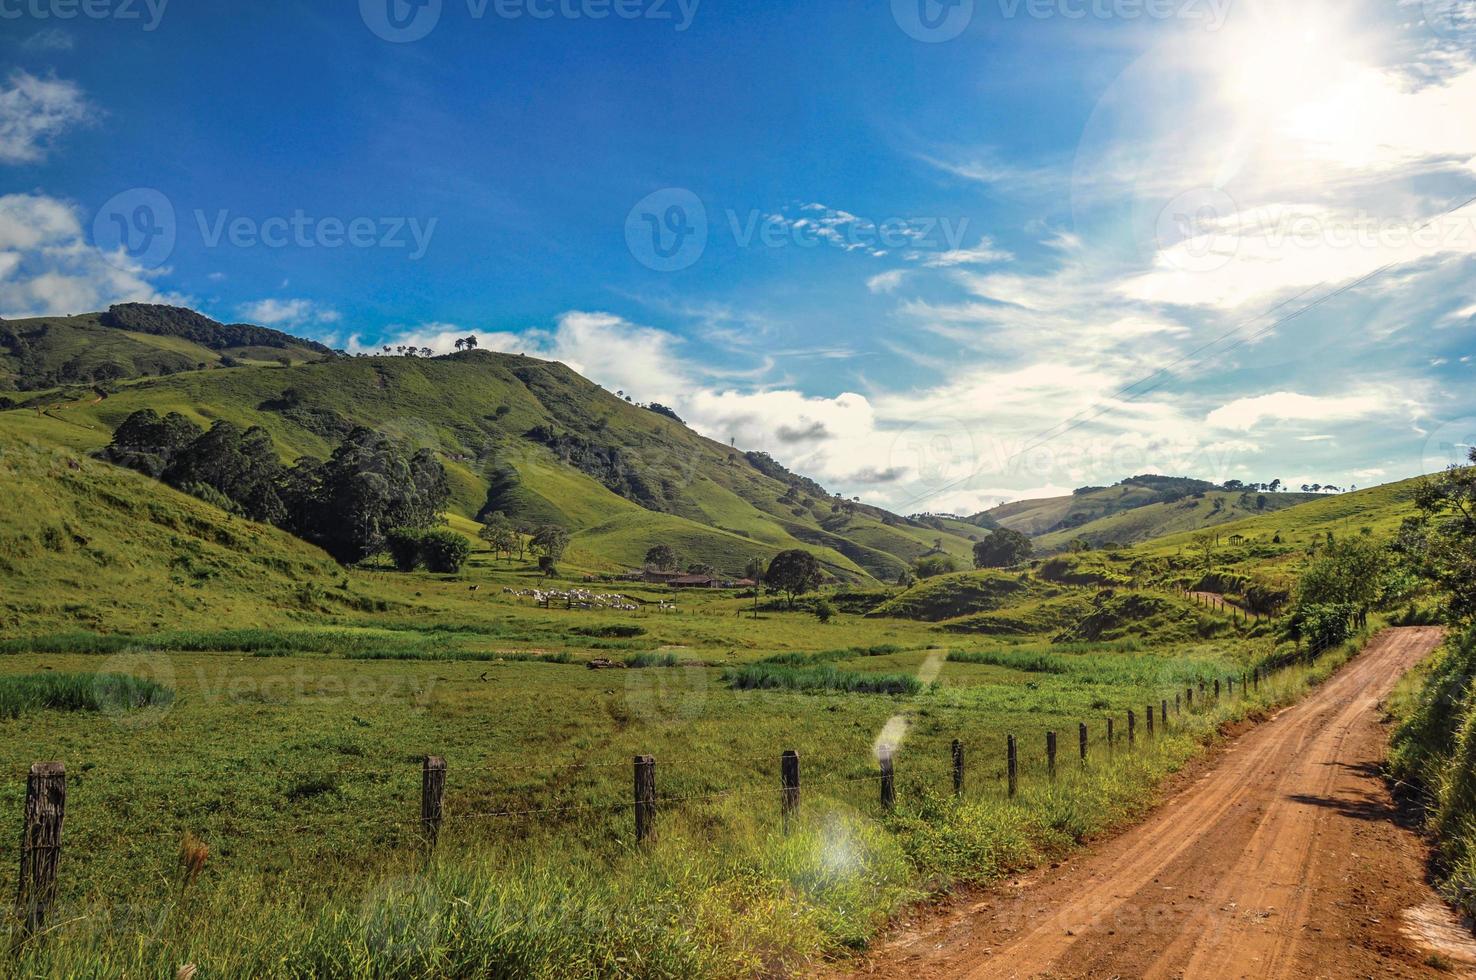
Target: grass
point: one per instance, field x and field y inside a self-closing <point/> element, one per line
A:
<point x="1434" y="752"/>
<point x="22" y="694"/>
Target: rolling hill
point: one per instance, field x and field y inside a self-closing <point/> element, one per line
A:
<point x="526" y="437"/>
<point x="130" y="341"/>
<point x="1137" y="509"/>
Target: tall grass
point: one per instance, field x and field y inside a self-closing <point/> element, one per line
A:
<point x="793" y="659"/>
<point x="1434" y="751"/>
<point x="765" y="676"/>
<point x="24" y="693"/>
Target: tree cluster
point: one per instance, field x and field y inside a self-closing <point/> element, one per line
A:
<point x="347" y="504"/>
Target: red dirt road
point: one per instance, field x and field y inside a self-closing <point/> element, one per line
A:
<point x="1286" y="858"/>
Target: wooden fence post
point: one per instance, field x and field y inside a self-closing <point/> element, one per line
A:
<point x="1150" y="721"/>
<point x="888" y="787"/>
<point x="1012" y="764"/>
<point x="1217" y="689"/>
<point x="1189" y="695"/>
<point x="958" y="768"/>
<point x="1081" y="738"/>
<point x="645" y="797"/>
<point x="789" y="778"/>
<point x="1051" y="754"/>
<point x="1178" y="704"/>
<point x="1132" y="728"/>
<point x="432" y="793"/>
<point x="41" y="839"/>
<point x="1110" y="734"/>
<point x="1163" y="714"/>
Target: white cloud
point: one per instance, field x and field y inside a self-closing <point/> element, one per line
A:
<point x="1253" y="256"/>
<point x="34" y="112"/>
<point x="984" y="253"/>
<point x="1285" y="406"/>
<point x="886" y="282"/>
<point x="48" y="268"/>
<point x="288" y="312"/>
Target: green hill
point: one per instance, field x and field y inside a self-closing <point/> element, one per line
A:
<point x="1196" y="512"/>
<point x="100" y="547"/>
<point x="1137" y="509"/>
<point x="530" y="438"/>
<point x="132" y="341"/>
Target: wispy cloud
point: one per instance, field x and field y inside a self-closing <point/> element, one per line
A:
<point x="34" y="112"/>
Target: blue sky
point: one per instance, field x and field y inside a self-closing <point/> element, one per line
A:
<point x="916" y="250"/>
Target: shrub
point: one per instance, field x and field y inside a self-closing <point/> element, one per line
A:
<point x="404" y="547"/>
<point x="824" y="611"/>
<point x="444" y="551"/>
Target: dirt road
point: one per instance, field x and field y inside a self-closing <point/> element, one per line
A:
<point x="1285" y="858"/>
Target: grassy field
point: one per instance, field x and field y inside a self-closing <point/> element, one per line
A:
<point x="212" y="682"/>
<point x="293" y="752"/>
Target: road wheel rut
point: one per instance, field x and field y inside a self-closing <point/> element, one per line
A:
<point x="1287" y="858"/>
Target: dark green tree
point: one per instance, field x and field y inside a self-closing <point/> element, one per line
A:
<point x="792" y="574"/>
<point x="662" y="556"/>
<point x="1002" y="549"/>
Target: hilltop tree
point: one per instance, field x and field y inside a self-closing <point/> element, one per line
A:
<point x="662" y="556"/>
<point x="792" y="574"/>
<point x="1002" y="549"/>
<point x="471" y="342"/>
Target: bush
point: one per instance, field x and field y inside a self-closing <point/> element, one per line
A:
<point x="823" y="610"/>
<point x="444" y="551"/>
<point x="404" y="547"/>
